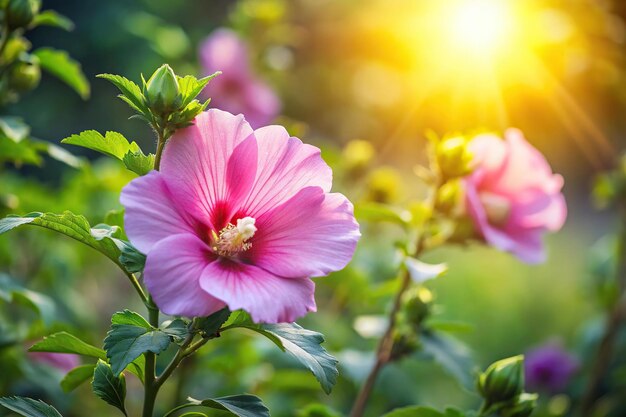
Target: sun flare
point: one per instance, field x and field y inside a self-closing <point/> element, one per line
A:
<point x="481" y="25"/>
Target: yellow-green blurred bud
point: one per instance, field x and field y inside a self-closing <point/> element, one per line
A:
<point x="524" y="406"/>
<point x="13" y="49"/>
<point x="357" y="154"/>
<point x="25" y="75"/>
<point x="383" y="185"/>
<point x="503" y="380"/>
<point x="162" y="90"/>
<point x="416" y="305"/>
<point x="453" y="157"/>
<point x="449" y="197"/>
<point x="19" y="13"/>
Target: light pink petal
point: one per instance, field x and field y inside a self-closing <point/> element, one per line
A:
<point x="533" y="208"/>
<point x="210" y="166"/>
<point x="261" y="104"/>
<point x="312" y="234"/>
<point x="172" y="274"/>
<point x="268" y="298"/>
<point x="224" y="51"/>
<point x="285" y="167"/>
<point x="150" y="212"/>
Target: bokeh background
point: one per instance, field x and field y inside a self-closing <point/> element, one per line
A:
<point x="376" y="70"/>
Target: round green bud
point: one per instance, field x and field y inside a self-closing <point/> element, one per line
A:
<point x="417" y="304"/>
<point x="503" y="380"/>
<point x="19" y="13"/>
<point x="25" y="75"/>
<point x="453" y="157"/>
<point x="448" y="197"/>
<point x="523" y="407"/>
<point x="162" y="90"/>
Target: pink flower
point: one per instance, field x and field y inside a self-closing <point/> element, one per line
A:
<point x="236" y="90"/>
<point x="512" y="196"/>
<point x="62" y="361"/>
<point x="240" y="218"/>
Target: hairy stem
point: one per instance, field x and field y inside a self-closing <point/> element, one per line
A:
<point x="614" y="321"/>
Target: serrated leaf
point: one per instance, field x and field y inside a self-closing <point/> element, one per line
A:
<point x="421" y="272"/>
<point x="59" y="64"/>
<point x="131" y="336"/>
<point x="14" y="128"/>
<point x="112" y="144"/>
<point x="303" y="344"/>
<point x="131" y="93"/>
<point x="109" y="387"/>
<point x="189" y="87"/>
<point x="451" y="355"/>
<point x="177" y="329"/>
<point x="244" y="405"/>
<point x="139" y="163"/>
<point x="76" y="377"/>
<point x="52" y="18"/>
<point x="28" y="407"/>
<point x="211" y="324"/>
<point x="11" y="291"/>
<point x="415" y="411"/>
<point x="63" y="342"/>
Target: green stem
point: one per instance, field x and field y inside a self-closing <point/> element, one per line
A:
<point x="150" y="388"/>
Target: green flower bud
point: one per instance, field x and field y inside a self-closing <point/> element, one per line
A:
<point x="162" y="90"/>
<point x="25" y="75"/>
<point x="453" y="157"/>
<point x="502" y="381"/>
<point x="19" y="13"/>
<point x="416" y="305"/>
<point x="448" y="197"/>
<point x="523" y="407"/>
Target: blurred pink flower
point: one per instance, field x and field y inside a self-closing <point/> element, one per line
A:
<point x="512" y="196"/>
<point x="64" y="362"/>
<point x="237" y="89"/>
<point x="238" y="218"/>
<point x="549" y="367"/>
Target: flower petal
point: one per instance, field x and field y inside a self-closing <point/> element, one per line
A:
<point x="151" y="214"/>
<point x="172" y="274"/>
<point x="210" y="166"/>
<point x="224" y="51"/>
<point x="268" y="298"/>
<point x="286" y="166"/>
<point x="311" y="234"/>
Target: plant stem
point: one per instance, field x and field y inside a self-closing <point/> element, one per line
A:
<point x="614" y="321"/>
<point x="151" y="389"/>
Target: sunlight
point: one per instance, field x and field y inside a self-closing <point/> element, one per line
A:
<point x="482" y="25"/>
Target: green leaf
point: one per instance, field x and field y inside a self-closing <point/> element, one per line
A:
<point x="303" y="344"/>
<point x="211" y="324"/>
<point x="131" y="336"/>
<point x="112" y="143"/>
<point x="415" y="411"/>
<point x="14" y="128"/>
<point x="108" y="386"/>
<point x="64" y="342"/>
<point x="131" y="93"/>
<point x="61" y="155"/>
<point x="11" y="291"/>
<point x="59" y="64"/>
<point x="450" y="326"/>
<point x="28" y="407"/>
<point x="76" y="377"/>
<point x="21" y="152"/>
<point x="130" y="258"/>
<point x="139" y="163"/>
<point x="318" y="410"/>
<point x="377" y="212"/>
<point x="177" y="329"/>
<point x="244" y="405"/>
<point x="52" y="18"/>
<point x="451" y="354"/>
<point x="189" y="87"/>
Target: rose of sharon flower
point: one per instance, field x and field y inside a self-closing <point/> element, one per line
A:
<point x="237" y="89"/>
<point x="240" y="218"/>
<point x="62" y="361"/>
<point x="550" y="368"/>
<point x="512" y="195"/>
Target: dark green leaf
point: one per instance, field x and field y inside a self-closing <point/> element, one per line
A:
<point x="109" y="387"/>
<point x="28" y="407"/>
<point x="59" y="64"/>
<point x="177" y="329"/>
<point x="451" y="354"/>
<point x="132" y="260"/>
<point x="211" y="324"/>
<point x="131" y="93"/>
<point x="415" y="411"/>
<point x="112" y="143"/>
<point x="11" y="291"/>
<point x="131" y="336"/>
<point x="303" y="344"/>
<point x="244" y="405"/>
<point x="14" y="128"/>
<point x="139" y="163"/>
<point x="64" y="342"/>
<point x="76" y="377"/>
<point x="52" y="18"/>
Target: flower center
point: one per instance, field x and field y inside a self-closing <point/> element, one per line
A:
<point x="234" y="239"/>
<point x="497" y="208"/>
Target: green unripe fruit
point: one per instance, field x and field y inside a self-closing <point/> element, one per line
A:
<point x="162" y="91"/>
<point x="25" y="75"/>
<point x="503" y="380"/>
<point x="19" y="13"/>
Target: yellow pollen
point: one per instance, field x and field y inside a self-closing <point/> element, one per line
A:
<point x="234" y="238"/>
